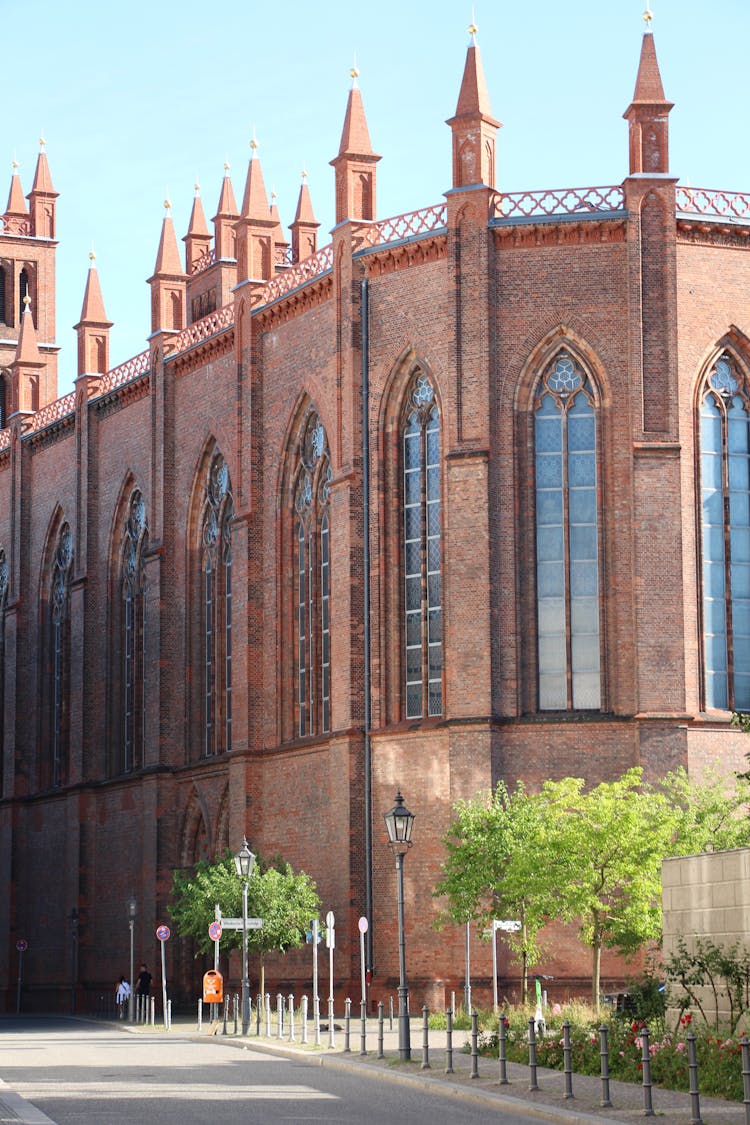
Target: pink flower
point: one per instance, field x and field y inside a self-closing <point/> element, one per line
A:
<point x="680" y="1047"/>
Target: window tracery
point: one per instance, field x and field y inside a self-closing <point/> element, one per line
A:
<point x="133" y="586"/>
<point x="60" y="657"/>
<point x="216" y="571"/>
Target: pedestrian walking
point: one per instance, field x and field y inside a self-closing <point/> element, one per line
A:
<point x="122" y="995"/>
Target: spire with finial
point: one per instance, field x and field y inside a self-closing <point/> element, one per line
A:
<point x="305" y="227"/>
<point x="255" y="226"/>
<point x="42" y="197"/>
<point x="648" y="15"/>
<point x="473" y="126"/>
<point x="168" y="279"/>
<point x="647" y="113"/>
<point x="198" y="239"/>
<point x="28" y="364"/>
<point x="225" y="218"/>
<point x="355" y="163"/>
<point x="16" y="201"/>
<point x="93" y="327"/>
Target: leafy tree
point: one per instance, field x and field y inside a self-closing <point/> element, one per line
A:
<point x="284" y="900"/>
<point x="711" y="815"/>
<point x="611" y="841"/>
<point x="498" y="866"/>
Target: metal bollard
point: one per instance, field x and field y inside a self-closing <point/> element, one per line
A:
<point x="363" y="1032"/>
<point x="226" y="1015"/>
<point x="236" y="1006"/>
<point x="533" y="1084"/>
<point x="604" y="1054"/>
<point x="474" y="1045"/>
<point x="390" y="1013"/>
<point x="745" y="1046"/>
<point x="425" y="1038"/>
<point x="695" y="1100"/>
<point x="567" y="1060"/>
<point x="304" y="1018"/>
<point x="381" y="1020"/>
<point x="291" y="1017"/>
<point x="316" y="1014"/>
<point x="648" y="1107"/>
<point x="268" y="1014"/>
<point x="347" y="1025"/>
<point x="169" y="1015"/>
<point x="448" y="1041"/>
<point x="501" y="1051"/>
<point x="258" y="1010"/>
<point x="279" y="1015"/>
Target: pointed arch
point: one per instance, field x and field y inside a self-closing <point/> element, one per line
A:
<point x="723" y="458"/>
<point x="210" y="534"/>
<point x="305" y="536"/>
<point x="195" y="837"/>
<point x="55" y="616"/>
<point x="411" y="455"/>
<point x="559" y="399"/>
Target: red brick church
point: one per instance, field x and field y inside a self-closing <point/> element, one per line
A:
<point x="462" y="495"/>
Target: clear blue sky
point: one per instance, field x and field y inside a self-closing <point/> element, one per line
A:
<point x="141" y="99"/>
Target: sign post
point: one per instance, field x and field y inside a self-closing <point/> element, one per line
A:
<point x="362" y="925"/>
<point x="21" y="945"/>
<point x="509" y="926"/>
<point x="214" y="932"/>
<point x="331" y="943"/>
<point x="163" y="933"/>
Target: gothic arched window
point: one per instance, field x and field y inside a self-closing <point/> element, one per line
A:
<point x="133" y="633"/>
<point x="312" y="571"/>
<point x="3" y="603"/>
<point x="423" y="611"/>
<point x="59" y="664"/>
<point x="24" y="290"/>
<point x="216" y="606"/>
<point x="567" y="539"/>
<point x="3" y="297"/>
<point x="725" y="527"/>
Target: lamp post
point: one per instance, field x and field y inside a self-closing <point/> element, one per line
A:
<point x="132" y="912"/>
<point x="399" y="822"/>
<point x="244" y="863"/>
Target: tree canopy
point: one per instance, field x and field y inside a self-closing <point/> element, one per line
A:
<point x="284" y="900"/>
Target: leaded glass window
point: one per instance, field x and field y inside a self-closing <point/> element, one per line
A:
<point x="216" y="602"/>
<point x="313" y="581"/>
<point x="567" y="537"/>
<point x="60" y="653"/>
<point x="423" y="646"/>
<point x="133" y="633"/>
<point x="725" y="526"/>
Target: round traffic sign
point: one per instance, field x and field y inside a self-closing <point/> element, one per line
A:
<point x="330" y="920"/>
<point x="22" y="945"/>
<point x="363" y="924"/>
<point x="214" y="931"/>
<point x="162" y="932"/>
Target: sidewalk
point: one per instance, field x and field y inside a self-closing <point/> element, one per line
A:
<point x="548" y="1103"/>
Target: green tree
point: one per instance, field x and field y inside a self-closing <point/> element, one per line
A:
<point x="497" y="865"/>
<point x="712" y="812"/>
<point x="284" y="900"/>
<point x="611" y="840"/>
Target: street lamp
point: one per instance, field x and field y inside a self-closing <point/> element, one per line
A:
<point x="244" y="863"/>
<point x="132" y="912"/>
<point x="399" y="822"/>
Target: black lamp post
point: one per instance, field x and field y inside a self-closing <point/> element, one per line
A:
<point x="399" y="822"/>
<point x="132" y="913"/>
<point x="244" y="863"/>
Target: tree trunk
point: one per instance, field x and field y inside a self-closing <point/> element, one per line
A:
<point x="596" y="970"/>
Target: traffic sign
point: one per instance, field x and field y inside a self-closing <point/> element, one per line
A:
<point x="163" y="933"/>
<point x="214" y="931"/>
<point x="237" y="924"/>
<point x="363" y="924"/>
<point x="510" y="925"/>
<point x="22" y="945"/>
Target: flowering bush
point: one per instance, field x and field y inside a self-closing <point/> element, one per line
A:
<point x="719" y="1057"/>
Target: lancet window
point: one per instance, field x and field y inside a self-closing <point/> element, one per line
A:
<point x="59" y="664"/>
<point x="422" y="548"/>
<point x="312" y="574"/>
<point x="216" y="576"/>
<point x="725" y="538"/>
<point x="133" y="629"/>
<point x="567" y="539"/>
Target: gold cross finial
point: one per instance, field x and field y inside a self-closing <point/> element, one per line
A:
<point x="648" y="15"/>
<point x="473" y="28"/>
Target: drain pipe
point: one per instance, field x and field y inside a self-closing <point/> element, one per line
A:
<point x="365" y="315"/>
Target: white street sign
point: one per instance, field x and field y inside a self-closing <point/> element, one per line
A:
<point x="236" y="923"/>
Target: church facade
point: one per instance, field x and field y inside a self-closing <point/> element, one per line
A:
<point x="463" y="495"/>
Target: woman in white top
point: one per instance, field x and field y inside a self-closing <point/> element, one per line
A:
<point x="122" y="994"/>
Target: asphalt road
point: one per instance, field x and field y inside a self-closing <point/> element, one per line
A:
<point x="76" y="1072"/>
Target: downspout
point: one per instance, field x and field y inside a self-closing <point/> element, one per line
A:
<point x="365" y="312"/>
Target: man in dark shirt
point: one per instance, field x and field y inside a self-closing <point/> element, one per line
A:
<point x="143" y="988"/>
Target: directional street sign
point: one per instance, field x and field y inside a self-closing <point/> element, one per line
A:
<point x="236" y="923"/>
